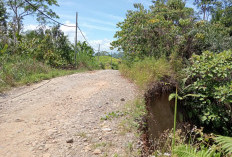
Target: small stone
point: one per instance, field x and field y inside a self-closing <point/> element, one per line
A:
<point x="18" y="120"/>
<point x="97" y="152"/>
<point x="122" y="99"/>
<point x="106" y="129"/>
<point x="87" y="149"/>
<point x="69" y="140"/>
<point x="40" y="147"/>
<point x="51" y="132"/>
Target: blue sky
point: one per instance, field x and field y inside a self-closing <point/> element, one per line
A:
<point x="97" y="18"/>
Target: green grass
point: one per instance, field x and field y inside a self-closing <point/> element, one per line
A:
<point x="148" y="70"/>
<point x="105" y="62"/>
<point x="133" y="112"/>
<point x="17" y="71"/>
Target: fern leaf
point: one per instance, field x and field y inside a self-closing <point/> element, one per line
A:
<point x="187" y="151"/>
<point x="226" y="143"/>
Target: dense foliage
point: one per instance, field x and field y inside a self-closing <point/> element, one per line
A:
<point x="50" y="46"/>
<point x="210" y="77"/>
<point x="167" y="27"/>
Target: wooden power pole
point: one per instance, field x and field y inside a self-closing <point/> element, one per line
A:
<point x="99" y="51"/>
<point x="76" y="39"/>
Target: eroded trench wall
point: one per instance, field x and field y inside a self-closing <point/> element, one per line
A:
<point x="160" y="110"/>
<point x="160" y="115"/>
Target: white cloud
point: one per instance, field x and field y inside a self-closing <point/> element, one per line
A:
<point x="30" y="27"/>
<point x="70" y="32"/>
<point x="104" y="44"/>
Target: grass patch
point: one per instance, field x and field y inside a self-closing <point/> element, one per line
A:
<point x="81" y="134"/>
<point x="149" y="70"/>
<point x="105" y="62"/>
<point x="112" y="115"/>
<point x="134" y="112"/>
<point x="104" y="147"/>
<point x="16" y="71"/>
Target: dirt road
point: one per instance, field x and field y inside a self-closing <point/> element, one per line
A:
<point x="62" y="117"/>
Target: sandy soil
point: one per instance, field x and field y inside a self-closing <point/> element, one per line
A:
<point x="62" y="117"/>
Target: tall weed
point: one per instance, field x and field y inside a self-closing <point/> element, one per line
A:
<point x="147" y="70"/>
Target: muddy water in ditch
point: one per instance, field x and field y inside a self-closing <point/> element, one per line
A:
<point x="160" y="115"/>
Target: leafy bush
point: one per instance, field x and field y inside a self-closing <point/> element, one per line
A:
<point x="210" y="80"/>
<point x="50" y="46"/>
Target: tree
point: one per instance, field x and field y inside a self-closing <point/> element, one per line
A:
<point x="222" y="14"/>
<point x="3" y="17"/>
<point x="48" y="45"/>
<point x="3" y="27"/>
<point x="205" y="6"/>
<point x="159" y="31"/>
<point x="22" y="8"/>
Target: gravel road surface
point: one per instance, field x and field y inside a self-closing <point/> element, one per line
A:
<point x="62" y="117"/>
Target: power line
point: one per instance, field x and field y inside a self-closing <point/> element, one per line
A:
<point x="47" y="15"/>
<point x="59" y="22"/>
<point x="85" y="38"/>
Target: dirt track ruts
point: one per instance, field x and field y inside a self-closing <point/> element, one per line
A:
<point x="38" y="120"/>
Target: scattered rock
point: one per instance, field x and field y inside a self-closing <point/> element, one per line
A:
<point x="97" y="152"/>
<point x="51" y="132"/>
<point x="87" y="149"/>
<point x="69" y="140"/>
<point x="106" y="129"/>
<point x="19" y="120"/>
<point x="40" y="148"/>
<point x="122" y="99"/>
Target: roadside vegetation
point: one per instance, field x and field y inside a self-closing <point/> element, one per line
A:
<point x="107" y="60"/>
<point x="171" y="43"/>
<point x="33" y="55"/>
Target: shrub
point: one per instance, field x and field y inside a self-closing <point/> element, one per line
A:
<point x="210" y="80"/>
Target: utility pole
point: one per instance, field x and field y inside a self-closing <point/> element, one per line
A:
<point x="76" y="39"/>
<point x="99" y="51"/>
<point x="111" y="60"/>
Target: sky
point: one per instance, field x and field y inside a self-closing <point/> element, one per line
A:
<point x="96" y="18"/>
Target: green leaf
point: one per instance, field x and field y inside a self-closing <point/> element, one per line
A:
<point x="226" y="143"/>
